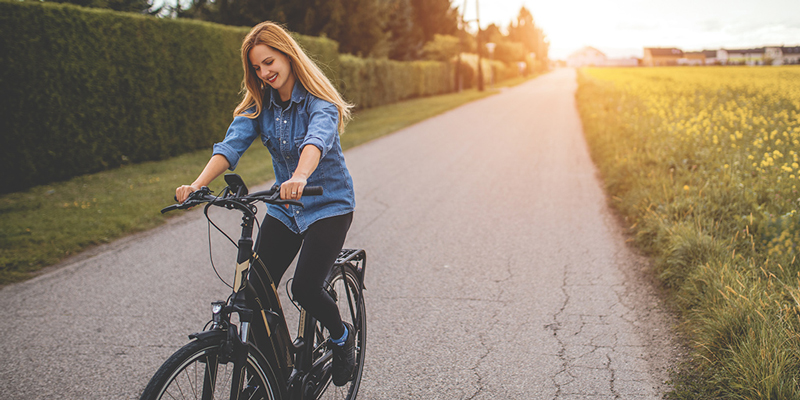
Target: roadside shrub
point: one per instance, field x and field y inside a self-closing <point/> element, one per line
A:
<point x="371" y="82"/>
<point x="501" y="70"/>
<point x="468" y="78"/>
<point x="86" y="90"/>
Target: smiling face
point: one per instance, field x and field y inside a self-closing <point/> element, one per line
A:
<point x="274" y="68"/>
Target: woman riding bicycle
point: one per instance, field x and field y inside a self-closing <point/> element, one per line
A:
<point x="298" y="114"/>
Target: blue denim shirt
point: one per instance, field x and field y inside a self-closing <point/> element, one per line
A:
<point x="307" y="120"/>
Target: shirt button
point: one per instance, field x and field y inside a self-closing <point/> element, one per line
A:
<point x="284" y="142"/>
<point x="284" y="121"/>
<point x="277" y="119"/>
<point x="297" y="212"/>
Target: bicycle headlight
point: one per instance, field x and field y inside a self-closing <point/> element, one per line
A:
<point x="216" y="309"/>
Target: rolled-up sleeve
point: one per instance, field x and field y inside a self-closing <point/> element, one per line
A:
<point x="323" y="126"/>
<point x="239" y="137"/>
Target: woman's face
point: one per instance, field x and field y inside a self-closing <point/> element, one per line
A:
<point x="273" y="67"/>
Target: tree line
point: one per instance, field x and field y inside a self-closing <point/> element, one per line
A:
<point x="401" y="30"/>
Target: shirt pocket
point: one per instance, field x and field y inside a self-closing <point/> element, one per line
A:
<point x="269" y="143"/>
<point x="299" y="138"/>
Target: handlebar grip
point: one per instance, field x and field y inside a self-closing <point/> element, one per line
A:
<point x="170" y="208"/>
<point x="312" y="191"/>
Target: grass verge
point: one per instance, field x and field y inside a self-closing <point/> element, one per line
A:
<point x="703" y="164"/>
<point x="41" y="226"/>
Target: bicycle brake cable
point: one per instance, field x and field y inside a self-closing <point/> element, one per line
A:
<point x="289" y="295"/>
<point x="210" y="253"/>
<point x="205" y="210"/>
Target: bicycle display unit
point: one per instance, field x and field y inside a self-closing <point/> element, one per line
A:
<point x="252" y="355"/>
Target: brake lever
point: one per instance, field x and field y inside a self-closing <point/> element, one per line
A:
<point x="194" y="197"/>
<point x="291" y="202"/>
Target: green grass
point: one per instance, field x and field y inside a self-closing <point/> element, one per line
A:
<point x="702" y="163"/>
<point x="43" y="225"/>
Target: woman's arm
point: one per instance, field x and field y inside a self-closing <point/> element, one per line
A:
<point x="309" y="160"/>
<point x="215" y="167"/>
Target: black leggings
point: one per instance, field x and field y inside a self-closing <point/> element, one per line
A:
<point x="321" y="243"/>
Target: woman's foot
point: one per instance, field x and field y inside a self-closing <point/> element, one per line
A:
<point x="344" y="357"/>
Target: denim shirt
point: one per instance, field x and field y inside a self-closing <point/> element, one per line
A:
<point x="307" y="120"/>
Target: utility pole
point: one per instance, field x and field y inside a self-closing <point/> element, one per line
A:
<point x="463" y="27"/>
<point x="480" y="69"/>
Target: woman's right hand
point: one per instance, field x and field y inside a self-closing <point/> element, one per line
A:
<point x="183" y="192"/>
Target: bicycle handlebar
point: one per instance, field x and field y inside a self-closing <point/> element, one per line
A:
<point x="230" y="200"/>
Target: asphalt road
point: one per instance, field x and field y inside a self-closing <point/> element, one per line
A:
<point x="496" y="271"/>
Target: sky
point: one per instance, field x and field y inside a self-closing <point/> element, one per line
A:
<point x="622" y="28"/>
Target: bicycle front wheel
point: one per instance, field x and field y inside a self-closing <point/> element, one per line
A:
<point x="345" y="287"/>
<point x="196" y="372"/>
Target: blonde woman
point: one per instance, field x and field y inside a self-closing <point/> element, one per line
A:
<point x="298" y="114"/>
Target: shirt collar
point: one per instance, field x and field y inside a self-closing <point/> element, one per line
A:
<point x="299" y="94"/>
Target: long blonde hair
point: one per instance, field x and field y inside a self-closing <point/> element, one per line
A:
<point x="310" y="76"/>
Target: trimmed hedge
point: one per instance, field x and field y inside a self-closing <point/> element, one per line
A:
<point x="373" y="82"/>
<point x="85" y="90"/>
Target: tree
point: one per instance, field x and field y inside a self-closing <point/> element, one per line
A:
<point x="441" y="48"/>
<point x="490" y="34"/>
<point x="526" y="32"/>
<point x="434" y="16"/>
<point x="356" y="24"/>
<point x="405" y="40"/>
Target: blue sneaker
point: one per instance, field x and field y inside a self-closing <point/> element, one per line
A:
<point x="344" y="358"/>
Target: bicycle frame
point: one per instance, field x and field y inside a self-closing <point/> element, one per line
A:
<point x="255" y="298"/>
<point x="300" y="367"/>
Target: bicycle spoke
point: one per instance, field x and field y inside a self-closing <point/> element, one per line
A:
<point x="183" y="396"/>
<point x="194" y="389"/>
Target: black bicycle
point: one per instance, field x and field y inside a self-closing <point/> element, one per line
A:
<point x="245" y="351"/>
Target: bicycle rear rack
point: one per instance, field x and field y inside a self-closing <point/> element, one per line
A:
<point x="355" y="258"/>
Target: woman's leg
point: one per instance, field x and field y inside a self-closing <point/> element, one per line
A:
<point x="321" y="246"/>
<point x="277" y="247"/>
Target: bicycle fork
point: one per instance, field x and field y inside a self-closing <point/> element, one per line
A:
<point x="240" y="350"/>
<point x="239" y="341"/>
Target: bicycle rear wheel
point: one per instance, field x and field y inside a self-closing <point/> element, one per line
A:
<point x="195" y="372"/>
<point x="345" y="288"/>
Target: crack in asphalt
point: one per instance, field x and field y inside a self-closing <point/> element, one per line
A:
<point x="556" y="327"/>
<point x="481" y="335"/>
<point x="583" y="347"/>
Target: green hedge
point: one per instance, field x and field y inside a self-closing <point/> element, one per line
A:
<point x="374" y="82"/>
<point x="85" y="90"/>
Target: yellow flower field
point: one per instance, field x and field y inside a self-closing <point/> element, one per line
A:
<point x="704" y="163"/>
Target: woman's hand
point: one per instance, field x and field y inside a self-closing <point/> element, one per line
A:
<point x="293" y="188"/>
<point x="215" y="167"/>
<point x="183" y="192"/>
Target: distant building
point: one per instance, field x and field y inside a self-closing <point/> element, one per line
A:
<point x="587" y="57"/>
<point x="622" y="62"/>
<point x="791" y="55"/>
<point x="659" y="56"/>
<point x="710" y="57"/>
<point x="693" y="58"/>
<point x="782" y="55"/>
<point x="741" y="56"/>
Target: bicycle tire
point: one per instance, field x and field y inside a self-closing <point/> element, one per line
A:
<point x="181" y="376"/>
<point x="336" y="281"/>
